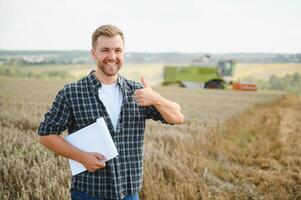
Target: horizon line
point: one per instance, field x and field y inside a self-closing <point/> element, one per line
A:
<point x="154" y="52"/>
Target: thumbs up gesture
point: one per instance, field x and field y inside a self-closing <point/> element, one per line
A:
<point x="146" y="96"/>
<point x="144" y="83"/>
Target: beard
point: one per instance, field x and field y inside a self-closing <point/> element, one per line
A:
<point x="109" y="70"/>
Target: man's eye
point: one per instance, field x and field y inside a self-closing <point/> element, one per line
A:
<point x="104" y="50"/>
<point x="118" y="50"/>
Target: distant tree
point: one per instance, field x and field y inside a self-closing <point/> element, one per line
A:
<point x="290" y="82"/>
<point x="275" y="83"/>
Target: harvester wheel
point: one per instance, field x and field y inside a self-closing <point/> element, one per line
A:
<point x="214" y="84"/>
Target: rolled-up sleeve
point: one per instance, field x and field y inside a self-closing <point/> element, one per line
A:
<point x="154" y="114"/>
<point x="56" y="119"/>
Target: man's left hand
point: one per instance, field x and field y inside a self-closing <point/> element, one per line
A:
<point x="145" y="96"/>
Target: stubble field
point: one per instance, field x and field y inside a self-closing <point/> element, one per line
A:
<point x="263" y="71"/>
<point x="233" y="145"/>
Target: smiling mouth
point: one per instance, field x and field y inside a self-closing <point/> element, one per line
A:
<point x="111" y="64"/>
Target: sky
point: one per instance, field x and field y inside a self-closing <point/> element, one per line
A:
<point x="211" y="26"/>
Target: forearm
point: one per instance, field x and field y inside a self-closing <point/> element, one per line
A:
<point x="59" y="146"/>
<point x="170" y="111"/>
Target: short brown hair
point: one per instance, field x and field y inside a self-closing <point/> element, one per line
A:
<point x="107" y="31"/>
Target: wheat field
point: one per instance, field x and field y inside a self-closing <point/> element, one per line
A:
<point x="233" y="145"/>
<point x="263" y="71"/>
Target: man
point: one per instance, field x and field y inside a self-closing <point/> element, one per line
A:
<point x="124" y="104"/>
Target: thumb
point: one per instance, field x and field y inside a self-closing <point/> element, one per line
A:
<point x="144" y="83"/>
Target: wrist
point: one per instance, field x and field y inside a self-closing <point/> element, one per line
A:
<point x="80" y="155"/>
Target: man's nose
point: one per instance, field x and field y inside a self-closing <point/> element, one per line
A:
<point x="112" y="55"/>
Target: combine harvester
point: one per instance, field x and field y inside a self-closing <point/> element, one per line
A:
<point x="210" y="77"/>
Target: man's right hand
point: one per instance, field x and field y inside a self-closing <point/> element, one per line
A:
<point x="93" y="161"/>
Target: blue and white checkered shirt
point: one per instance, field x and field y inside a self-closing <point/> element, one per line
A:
<point x="76" y="106"/>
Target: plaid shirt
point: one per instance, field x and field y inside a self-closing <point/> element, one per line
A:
<point x="77" y="105"/>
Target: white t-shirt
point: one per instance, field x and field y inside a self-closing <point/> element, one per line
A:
<point x="111" y="96"/>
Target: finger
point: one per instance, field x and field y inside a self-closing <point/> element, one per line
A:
<point x="138" y="92"/>
<point x="136" y="99"/>
<point x="100" y="164"/>
<point x="138" y="95"/>
<point x="144" y="83"/>
<point x="139" y="99"/>
<point x="97" y="166"/>
<point x="141" y="103"/>
<point x="100" y="156"/>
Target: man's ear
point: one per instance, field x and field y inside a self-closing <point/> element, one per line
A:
<point x="93" y="53"/>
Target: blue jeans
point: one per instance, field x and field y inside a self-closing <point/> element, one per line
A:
<point x="78" y="195"/>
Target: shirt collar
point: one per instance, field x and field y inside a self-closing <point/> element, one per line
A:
<point x="96" y="84"/>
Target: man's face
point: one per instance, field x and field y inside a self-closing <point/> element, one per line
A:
<point x="108" y="54"/>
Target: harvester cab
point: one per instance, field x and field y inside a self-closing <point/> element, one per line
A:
<point x="225" y="69"/>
